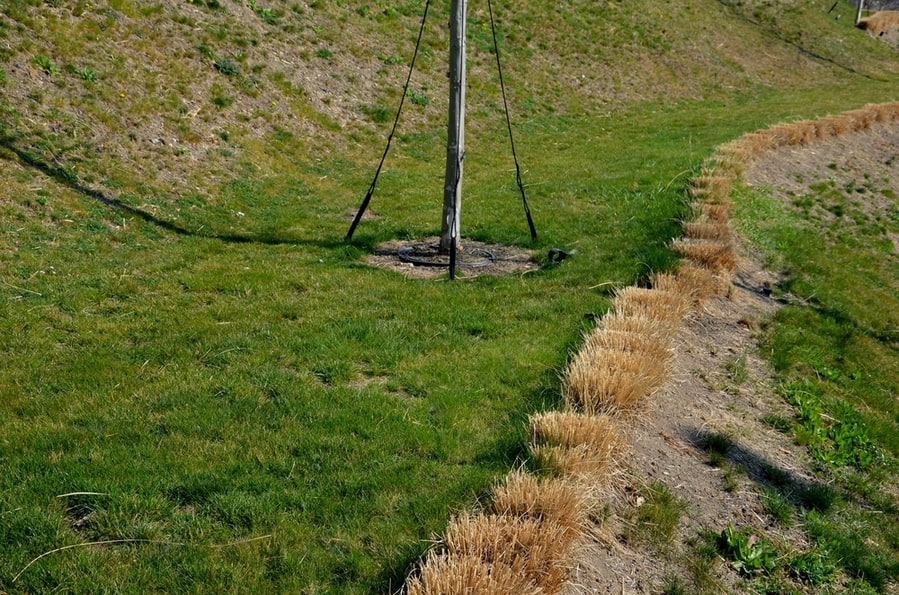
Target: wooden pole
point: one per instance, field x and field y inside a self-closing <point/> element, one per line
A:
<point x="858" y="14"/>
<point x="455" y="143"/>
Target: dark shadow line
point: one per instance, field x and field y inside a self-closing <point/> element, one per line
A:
<point x="800" y="48"/>
<point x="69" y="180"/>
<point x="763" y="472"/>
<point x="886" y="337"/>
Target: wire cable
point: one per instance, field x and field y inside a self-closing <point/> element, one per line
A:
<point x="371" y="189"/>
<point x="502" y="86"/>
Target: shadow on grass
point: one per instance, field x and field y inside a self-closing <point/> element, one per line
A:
<point x="803" y="493"/>
<point x="68" y="179"/>
<point x="814" y="502"/>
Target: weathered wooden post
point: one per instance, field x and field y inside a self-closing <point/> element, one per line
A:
<point x="455" y="143"/>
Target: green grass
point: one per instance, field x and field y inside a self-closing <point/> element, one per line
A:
<point x="222" y="372"/>
<point x="202" y="386"/>
<point x="834" y="348"/>
<point x="656" y="520"/>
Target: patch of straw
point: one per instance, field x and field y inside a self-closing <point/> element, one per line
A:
<point x="524" y="496"/>
<point x="715" y="255"/>
<point x="641" y="343"/>
<point x="732" y="159"/>
<point x="651" y="303"/>
<point x="711" y="187"/>
<point x="824" y="128"/>
<point x="661" y="330"/>
<point x="714" y="212"/>
<point x="757" y="143"/>
<point x="792" y="134"/>
<point x="704" y="283"/>
<point x="604" y="380"/>
<point x="884" y="112"/>
<point x="859" y="120"/>
<point x="838" y="125"/>
<point x="535" y="549"/>
<point x="451" y="575"/>
<point x="577" y="445"/>
<point x="707" y="230"/>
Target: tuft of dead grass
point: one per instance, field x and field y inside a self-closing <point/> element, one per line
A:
<point x="655" y="304"/>
<point x="704" y="282"/>
<point x="880" y="22"/>
<point x="629" y="342"/>
<point x="790" y="135"/>
<point x="443" y="574"/>
<point x="662" y="331"/>
<point x="731" y="159"/>
<point x="717" y="213"/>
<point x="884" y="112"/>
<point x="577" y="445"/>
<point x="601" y="380"/>
<point x="707" y="230"/>
<point x="712" y="254"/>
<point x="524" y="496"/>
<point x="711" y="187"/>
<point x="534" y="548"/>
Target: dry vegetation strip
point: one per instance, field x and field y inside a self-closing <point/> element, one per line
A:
<point x="518" y="544"/>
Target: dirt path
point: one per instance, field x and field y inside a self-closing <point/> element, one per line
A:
<point x="720" y="386"/>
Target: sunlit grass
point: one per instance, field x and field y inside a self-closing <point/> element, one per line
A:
<point x="204" y="386"/>
<point x="833" y="347"/>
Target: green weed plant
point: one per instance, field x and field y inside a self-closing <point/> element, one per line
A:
<point x="748" y="553"/>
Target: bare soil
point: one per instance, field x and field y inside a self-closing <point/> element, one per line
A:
<point x="706" y="395"/>
<point x="722" y="386"/>
<point x="420" y="259"/>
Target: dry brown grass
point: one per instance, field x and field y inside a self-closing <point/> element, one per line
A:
<point x="712" y="254"/>
<point x="885" y="112"/>
<point x="824" y="128"/>
<point x="838" y="124"/>
<point x="607" y="380"/>
<point x="792" y="134"/>
<point x="663" y="331"/>
<point x="524" y="496"/>
<point x="693" y="283"/>
<point x="534" y="548"/>
<point x="668" y="282"/>
<point x="640" y="343"/>
<point x="717" y="213"/>
<point x="707" y="230"/>
<point x="703" y="282"/>
<point x="451" y="575"/>
<point x="577" y="445"/>
<point x="711" y="187"/>
<point x="655" y="304"/>
<point x="880" y="22"/>
<point x="757" y="143"/>
<point x="859" y="120"/>
<point x="731" y="159"/>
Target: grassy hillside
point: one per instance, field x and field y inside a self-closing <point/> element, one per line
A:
<point x="200" y="375"/>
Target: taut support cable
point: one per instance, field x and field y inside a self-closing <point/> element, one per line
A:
<point x="371" y="189"/>
<point x="502" y="86"/>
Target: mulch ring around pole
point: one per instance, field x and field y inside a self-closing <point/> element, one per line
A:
<point x="421" y="259"/>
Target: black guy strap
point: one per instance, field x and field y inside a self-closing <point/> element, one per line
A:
<point x="371" y="189"/>
<point x="502" y="86"/>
